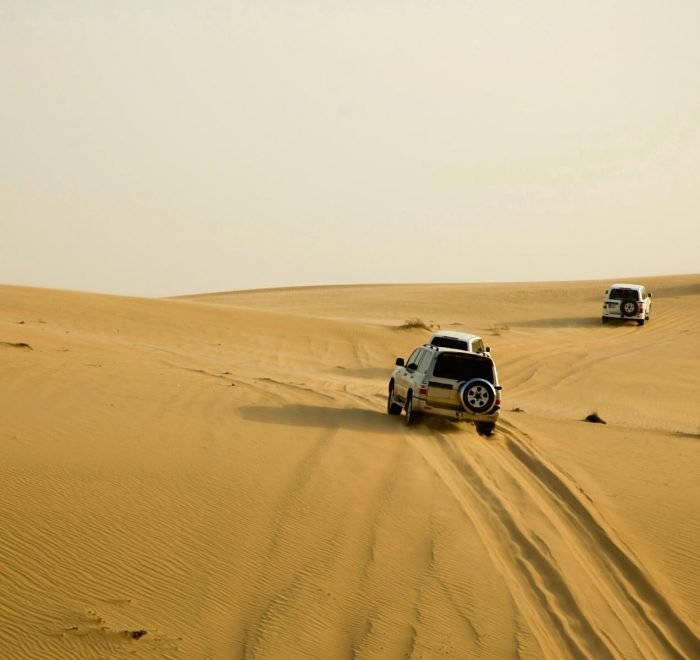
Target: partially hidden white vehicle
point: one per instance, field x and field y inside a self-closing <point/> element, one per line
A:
<point x="463" y="341"/>
<point x="626" y="302"/>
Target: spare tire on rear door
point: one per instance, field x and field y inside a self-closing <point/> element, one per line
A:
<point x="477" y="395"/>
<point x="629" y="307"/>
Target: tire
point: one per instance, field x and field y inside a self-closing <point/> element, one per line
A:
<point x="640" y="322"/>
<point x="485" y="428"/>
<point x="477" y="395"/>
<point x="392" y="407"/>
<point x="604" y="319"/>
<point x="629" y="307"/>
<point x="412" y="417"/>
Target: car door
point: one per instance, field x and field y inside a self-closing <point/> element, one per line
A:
<point x="617" y="297"/>
<point x="417" y="375"/>
<point x="646" y="300"/>
<point x="605" y="301"/>
<point x="403" y="376"/>
<point x="613" y="298"/>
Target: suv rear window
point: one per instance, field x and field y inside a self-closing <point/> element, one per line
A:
<point x="624" y="294"/>
<point x="463" y="366"/>
<point x="450" y="342"/>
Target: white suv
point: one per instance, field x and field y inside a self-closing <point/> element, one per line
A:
<point x="445" y="382"/>
<point x="627" y="302"/>
<point x="463" y="341"/>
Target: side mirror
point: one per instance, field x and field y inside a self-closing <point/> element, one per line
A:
<point x="399" y="362"/>
<point x="650" y="294"/>
<point x="488" y="349"/>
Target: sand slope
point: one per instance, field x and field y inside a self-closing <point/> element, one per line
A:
<point x="219" y="472"/>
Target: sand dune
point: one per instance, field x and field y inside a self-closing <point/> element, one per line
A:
<point x="215" y="476"/>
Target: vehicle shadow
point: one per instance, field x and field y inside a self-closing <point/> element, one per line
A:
<point x="358" y="419"/>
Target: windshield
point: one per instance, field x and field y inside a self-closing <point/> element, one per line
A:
<point x="463" y="366"/>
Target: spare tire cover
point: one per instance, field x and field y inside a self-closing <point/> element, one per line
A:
<point x="629" y="307"/>
<point x="477" y="395"/>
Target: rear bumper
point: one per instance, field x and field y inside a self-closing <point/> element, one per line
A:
<point x="615" y="314"/>
<point x="457" y="415"/>
<point x="636" y="317"/>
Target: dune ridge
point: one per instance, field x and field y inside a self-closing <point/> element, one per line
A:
<point x="215" y="476"/>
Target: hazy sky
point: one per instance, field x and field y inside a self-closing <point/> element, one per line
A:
<point x="158" y="147"/>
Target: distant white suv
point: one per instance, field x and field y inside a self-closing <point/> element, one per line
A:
<point x="626" y="302"/>
<point x="463" y="341"/>
<point x="457" y="384"/>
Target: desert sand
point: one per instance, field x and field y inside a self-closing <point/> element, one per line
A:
<point x="216" y="477"/>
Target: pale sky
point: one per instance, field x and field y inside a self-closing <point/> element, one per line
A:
<point x="164" y="147"/>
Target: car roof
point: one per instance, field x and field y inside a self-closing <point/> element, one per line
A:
<point x="457" y="351"/>
<point x="622" y="285"/>
<point x="466" y="336"/>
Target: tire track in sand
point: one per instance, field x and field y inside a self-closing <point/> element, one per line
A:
<point x="643" y="606"/>
<point x="544" y="535"/>
<point x="536" y="586"/>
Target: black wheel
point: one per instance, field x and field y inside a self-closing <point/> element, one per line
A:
<point x="640" y="322"/>
<point x="485" y="428"/>
<point x="477" y="395"/>
<point x="412" y="416"/>
<point x="629" y="307"/>
<point x="604" y="319"/>
<point x="392" y="407"/>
